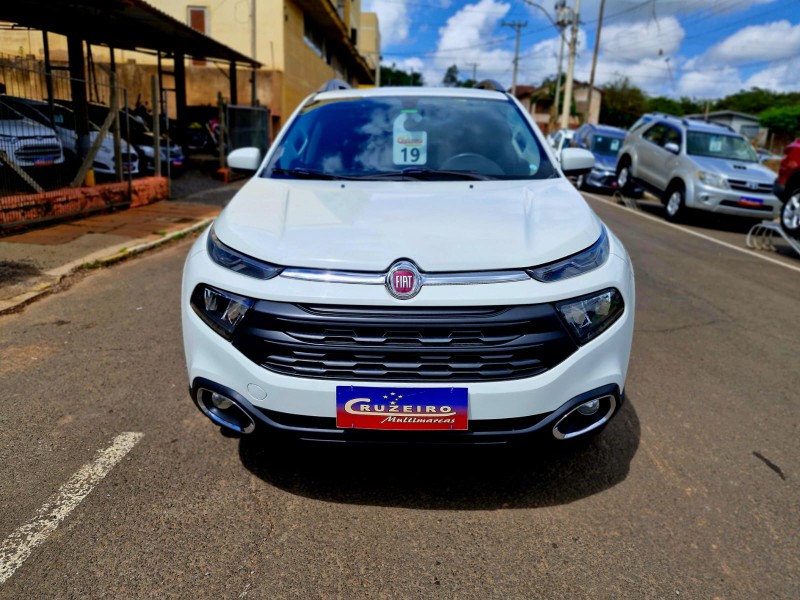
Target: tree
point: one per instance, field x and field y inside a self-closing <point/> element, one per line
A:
<point x="394" y="76"/>
<point x="782" y="120"/>
<point x="622" y="104"/>
<point x="450" y="78"/>
<point x="756" y="100"/>
<point x="666" y="105"/>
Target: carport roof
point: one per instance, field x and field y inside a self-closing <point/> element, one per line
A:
<point x="123" y="24"/>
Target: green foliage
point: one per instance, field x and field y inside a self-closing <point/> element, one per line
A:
<point x="394" y="76"/>
<point x="665" y="105"/>
<point x="450" y="78"/>
<point x="622" y="104"/>
<point x="782" y="119"/>
<point x="756" y="100"/>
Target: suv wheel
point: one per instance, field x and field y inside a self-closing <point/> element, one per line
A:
<point x="624" y="177"/>
<point x="790" y="214"/>
<point x="675" y="203"/>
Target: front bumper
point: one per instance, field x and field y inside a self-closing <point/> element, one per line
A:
<point x="605" y="180"/>
<point x="734" y="202"/>
<point x="284" y="402"/>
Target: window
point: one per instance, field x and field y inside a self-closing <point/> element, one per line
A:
<point x="198" y="20"/>
<point x="313" y="36"/>
<point x="657" y="134"/>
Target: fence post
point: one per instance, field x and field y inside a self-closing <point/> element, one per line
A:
<point x="129" y="144"/>
<point x="115" y="127"/>
<point x="223" y="128"/>
<point x="156" y="126"/>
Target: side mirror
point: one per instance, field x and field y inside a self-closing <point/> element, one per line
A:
<point x="576" y="161"/>
<point x="245" y="159"/>
<point x="672" y="147"/>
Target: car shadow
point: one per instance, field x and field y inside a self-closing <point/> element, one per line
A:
<point x="448" y="478"/>
<point x="702" y="219"/>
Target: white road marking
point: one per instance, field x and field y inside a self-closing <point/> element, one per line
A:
<point x="18" y="546"/>
<point x="702" y="236"/>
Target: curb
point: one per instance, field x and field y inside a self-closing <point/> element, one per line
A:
<point x="100" y="258"/>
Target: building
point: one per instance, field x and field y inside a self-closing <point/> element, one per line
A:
<point x="747" y="125"/>
<point x="300" y="44"/>
<point x="539" y="102"/>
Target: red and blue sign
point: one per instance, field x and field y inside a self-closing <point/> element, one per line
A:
<point x="402" y="409"/>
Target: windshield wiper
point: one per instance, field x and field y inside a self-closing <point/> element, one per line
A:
<point x="309" y="174"/>
<point x="426" y="174"/>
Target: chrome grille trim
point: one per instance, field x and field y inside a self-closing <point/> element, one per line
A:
<point x="354" y="277"/>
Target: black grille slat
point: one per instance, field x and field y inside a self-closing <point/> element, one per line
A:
<point x="405" y="344"/>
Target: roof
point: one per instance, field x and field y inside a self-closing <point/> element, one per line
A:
<point x="723" y="113"/>
<point x="123" y="24"/>
<point x="608" y="130"/>
<point x="696" y="124"/>
<point x="442" y="92"/>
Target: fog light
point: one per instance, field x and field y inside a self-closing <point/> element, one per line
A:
<point x="588" y="408"/>
<point x="221" y="402"/>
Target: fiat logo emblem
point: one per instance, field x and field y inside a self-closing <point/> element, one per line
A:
<point x="403" y="280"/>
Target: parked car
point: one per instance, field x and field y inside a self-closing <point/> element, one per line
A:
<point x="560" y="139"/>
<point x="409" y="265"/>
<point x="604" y="143"/>
<point x="27" y="143"/>
<point x="64" y="120"/>
<point x="764" y="155"/>
<point x="135" y="132"/>
<point x="787" y="188"/>
<point x="697" y="165"/>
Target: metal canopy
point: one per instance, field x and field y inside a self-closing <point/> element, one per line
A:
<point x="123" y="24"/>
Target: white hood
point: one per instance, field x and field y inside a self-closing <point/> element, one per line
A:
<point x="441" y="226"/>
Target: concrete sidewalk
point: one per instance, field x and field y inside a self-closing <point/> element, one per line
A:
<point x="34" y="262"/>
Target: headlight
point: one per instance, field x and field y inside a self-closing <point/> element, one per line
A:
<point x="589" y="316"/>
<point x="236" y="261"/>
<point x="713" y="180"/>
<point x="580" y="263"/>
<point x="221" y="310"/>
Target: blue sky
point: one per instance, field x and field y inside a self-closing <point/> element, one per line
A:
<point x="696" y="48"/>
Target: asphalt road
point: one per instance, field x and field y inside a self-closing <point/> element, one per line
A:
<point x="692" y="492"/>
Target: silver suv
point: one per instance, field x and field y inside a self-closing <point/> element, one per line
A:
<point x="693" y="164"/>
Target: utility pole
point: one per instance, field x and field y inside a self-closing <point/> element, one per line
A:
<point x="474" y="71"/>
<point x="562" y="20"/>
<point x="518" y="25"/>
<point x="573" y="48"/>
<point x="254" y="95"/>
<point x="594" y="61"/>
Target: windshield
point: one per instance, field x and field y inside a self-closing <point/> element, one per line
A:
<point x="603" y="144"/>
<point x="414" y="137"/>
<point x="719" y="145"/>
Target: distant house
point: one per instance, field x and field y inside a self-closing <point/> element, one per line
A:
<point x="747" y="125"/>
<point x="539" y="102"/>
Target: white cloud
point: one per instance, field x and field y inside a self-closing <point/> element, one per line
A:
<point x="645" y="39"/>
<point x="393" y="20"/>
<point x="772" y="41"/>
<point x="781" y="77"/>
<point x="640" y="10"/>
<point x="711" y="83"/>
<point x="463" y="40"/>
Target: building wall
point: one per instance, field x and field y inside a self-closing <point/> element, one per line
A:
<point x="369" y="39"/>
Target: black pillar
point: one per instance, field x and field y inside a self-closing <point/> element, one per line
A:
<point x="77" y="71"/>
<point x="48" y="78"/>
<point x="234" y="93"/>
<point x="180" y="95"/>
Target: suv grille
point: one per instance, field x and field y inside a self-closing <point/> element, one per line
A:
<point x="744" y="186"/>
<point x="34" y="151"/>
<point x="404" y="344"/>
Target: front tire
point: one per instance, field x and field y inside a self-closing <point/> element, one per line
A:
<point x="790" y="215"/>
<point x="675" y="209"/>
<point x="624" y="178"/>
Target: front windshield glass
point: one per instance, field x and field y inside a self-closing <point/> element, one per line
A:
<point x="718" y="145"/>
<point x="412" y="137"/>
<point x="603" y="144"/>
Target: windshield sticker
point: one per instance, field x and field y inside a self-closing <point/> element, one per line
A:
<point x="408" y="147"/>
<point x="614" y="145"/>
<point x="715" y="145"/>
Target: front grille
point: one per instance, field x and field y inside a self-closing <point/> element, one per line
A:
<point x="34" y="151"/>
<point x="744" y="186"/>
<point x="404" y="344"/>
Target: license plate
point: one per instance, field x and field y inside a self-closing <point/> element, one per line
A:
<point x="177" y="163"/>
<point x="43" y="162"/>
<point x="401" y="409"/>
<point x="745" y="201"/>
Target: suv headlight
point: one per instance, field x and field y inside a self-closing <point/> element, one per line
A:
<point x="221" y="310"/>
<point x="577" y="264"/>
<point x="589" y="316"/>
<point x="236" y="261"/>
<point x="713" y="180"/>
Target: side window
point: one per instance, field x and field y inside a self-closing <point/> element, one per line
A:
<point x="656" y="134"/>
<point x="672" y="136"/>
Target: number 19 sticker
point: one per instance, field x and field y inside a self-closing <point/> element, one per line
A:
<point x="408" y="147"/>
